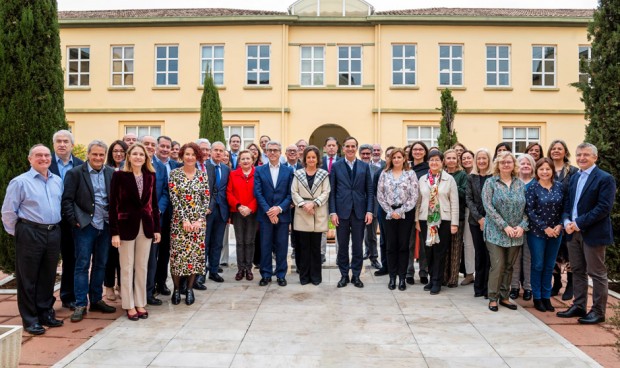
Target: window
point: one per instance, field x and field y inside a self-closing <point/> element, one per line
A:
<point x="585" y="55"/>
<point x="350" y="65"/>
<point x="543" y="66"/>
<point x="245" y="131"/>
<point x="122" y="65"/>
<point x="78" y="66"/>
<point x="426" y="134"/>
<point x="258" y="64"/>
<point x="212" y="59"/>
<point x="451" y="65"/>
<point x="142" y="130"/>
<point x="403" y="65"/>
<point x="167" y="65"/>
<point x="312" y="65"/>
<point x="498" y="65"/>
<point x="520" y="137"/>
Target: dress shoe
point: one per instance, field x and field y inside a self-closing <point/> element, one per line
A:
<point x="215" y="277"/>
<point x="344" y="280"/>
<point x="548" y="306"/>
<point x="153" y="301"/>
<point x="143" y="315"/>
<point x="189" y="298"/>
<point x="514" y="294"/>
<point x="281" y="281"/>
<point x="402" y="285"/>
<point x="69" y="305"/>
<point x="365" y="256"/>
<point x="163" y="290"/>
<point x="323" y="259"/>
<point x="176" y="297"/>
<point x="591" y="319"/>
<point x="493" y="308"/>
<point x="469" y="278"/>
<point x="381" y="272"/>
<point x="538" y="304"/>
<point x="200" y="279"/>
<point x="355" y="280"/>
<point x="527" y="295"/>
<point x="428" y="286"/>
<point x="410" y="280"/>
<point x="264" y="281"/>
<point x="392" y="283"/>
<point x="316" y="283"/>
<point x="35" y="329"/>
<point x="224" y="264"/>
<point x="102" y="307"/>
<point x="78" y="314"/>
<point x="375" y="264"/>
<point x="435" y="289"/>
<point x="423" y="280"/>
<point x="304" y="282"/>
<point x="573" y="311"/>
<point x="220" y="270"/>
<point x="197" y="286"/>
<point x="239" y="275"/>
<point x="133" y="317"/>
<point x="52" y="322"/>
<point x="249" y="275"/>
<point x="507" y="304"/>
<point x="478" y="295"/>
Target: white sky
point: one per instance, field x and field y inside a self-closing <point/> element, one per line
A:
<point x="282" y="5"/>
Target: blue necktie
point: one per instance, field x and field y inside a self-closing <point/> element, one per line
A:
<point x="217" y="175"/>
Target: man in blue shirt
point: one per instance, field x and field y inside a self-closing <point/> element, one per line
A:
<point x="31" y="213"/>
<point x="235" y="147"/>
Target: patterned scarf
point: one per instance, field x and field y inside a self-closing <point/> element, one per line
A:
<point x="434" y="212"/>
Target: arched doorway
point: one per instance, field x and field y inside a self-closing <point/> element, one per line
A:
<point x="321" y="133"/>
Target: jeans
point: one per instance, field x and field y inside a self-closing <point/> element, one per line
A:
<point x="90" y="242"/>
<point x="543" y="252"/>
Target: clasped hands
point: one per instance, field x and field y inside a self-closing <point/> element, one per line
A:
<point x="514" y="232"/>
<point x="273" y="214"/>
<point x="309" y="208"/>
<point x="367" y="219"/>
<point x="244" y="211"/>
<point x="553" y="232"/>
<point x="571" y="227"/>
<point x="192" y="226"/>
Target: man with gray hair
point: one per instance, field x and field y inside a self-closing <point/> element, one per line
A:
<point x="205" y="148"/>
<point x="370" y="232"/>
<point x="85" y="206"/>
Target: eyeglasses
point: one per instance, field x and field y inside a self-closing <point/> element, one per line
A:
<point x="505" y="163"/>
<point x="272" y="150"/>
<point x="118" y="152"/>
<point x="291" y="151"/>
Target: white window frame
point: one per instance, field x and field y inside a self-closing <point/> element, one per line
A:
<point x="430" y="141"/>
<point x="581" y="74"/>
<point x="513" y="140"/>
<point x="154" y="130"/>
<point x="167" y="59"/>
<point x="79" y="73"/>
<point x="258" y="71"/>
<point x="451" y="72"/>
<point x="125" y="61"/>
<point x="349" y="60"/>
<point x="313" y="60"/>
<point x="211" y="61"/>
<point x="241" y="130"/>
<point x="497" y="59"/>
<point x="543" y="72"/>
<point x="404" y="71"/>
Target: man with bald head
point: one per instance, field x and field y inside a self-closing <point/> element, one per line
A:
<point x="130" y="139"/>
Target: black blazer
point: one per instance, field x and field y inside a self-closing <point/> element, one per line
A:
<point x="351" y="195"/>
<point x="78" y="198"/>
<point x="218" y="194"/>
<point x="473" y="199"/>
<point x="54" y="164"/>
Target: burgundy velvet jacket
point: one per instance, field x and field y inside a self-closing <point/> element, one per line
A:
<point x="127" y="208"/>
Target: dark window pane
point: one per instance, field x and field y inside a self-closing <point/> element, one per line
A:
<point x="343" y="66"/>
<point x="264" y="51"/>
<point x="173" y="78"/>
<point x="173" y="65"/>
<point x="397" y="78"/>
<point x="161" y="65"/>
<point x="503" y="52"/>
<point x="410" y="64"/>
<point x="457" y="51"/>
<point x="252" y="64"/>
<point x="264" y="78"/>
<point x="491" y="79"/>
<point x="549" y="66"/>
<point x="397" y="51"/>
<point x="536" y="66"/>
<point x="73" y="66"/>
<point x="85" y="80"/>
<point x="549" y="52"/>
<point x="73" y="53"/>
<point x="343" y="52"/>
<point x="129" y="66"/>
<point x="264" y="65"/>
<point x="73" y="79"/>
<point x="549" y="80"/>
<point x="444" y="51"/>
<point x="457" y="79"/>
<point x="491" y="65"/>
<point x="503" y="79"/>
<point x="356" y="65"/>
<point x="161" y="52"/>
<point x="536" y="79"/>
<point x="410" y="78"/>
<point x="491" y="52"/>
<point x="356" y="79"/>
<point x="537" y="52"/>
<point x="356" y="52"/>
<point x="161" y="79"/>
<point x="252" y="51"/>
<point x="410" y="51"/>
<point x="444" y="79"/>
<point x="173" y="52"/>
<point x="85" y="66"/>
<point x="503" y="65"/>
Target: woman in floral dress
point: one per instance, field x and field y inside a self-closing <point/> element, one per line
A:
<point x="189" y="195"/>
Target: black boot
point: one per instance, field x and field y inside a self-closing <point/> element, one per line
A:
<point x="402" y="284"/>
<point x="538" y="304"/>
<point x="392" y="283"/>
<point x="568" y="291"/>
<point x="557" y="281"/>
<point x="176" y="297"/>
<point x="189" y="298"/>
<point x="547" y="304"/>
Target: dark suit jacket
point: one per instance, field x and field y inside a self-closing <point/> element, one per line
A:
<point x="218" y="193"/>
<point x="78" y="198"/>
<point x="325" y="162"/>
<point x="128" y="209"/>
<point x="54" y="164"/>
<point x="473" y="199"/>
<point x="296" y="167"/>
<point x="234" y="165"/>
<point x="594" y="207"/>
<point x="351" y="196"/>
<point x="268" y="196"/>
<point x="163" y="196"/>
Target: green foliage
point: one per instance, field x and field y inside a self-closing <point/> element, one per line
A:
<point x="447" y="134"/>
<point x="31" y="91"/>
<point x="79" y="151"/>
<point x="602" y="104"/>
<point x="210" y="124"/>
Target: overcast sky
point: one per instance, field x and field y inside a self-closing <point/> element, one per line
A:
<point x="282" y="5"/>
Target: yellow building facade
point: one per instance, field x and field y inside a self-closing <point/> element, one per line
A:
<point x="324" y="68"/>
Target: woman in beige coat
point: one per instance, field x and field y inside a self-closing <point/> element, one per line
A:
<point x="310" y="192"/>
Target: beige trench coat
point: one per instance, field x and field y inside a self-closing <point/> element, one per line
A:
<point x="319" y="194"/>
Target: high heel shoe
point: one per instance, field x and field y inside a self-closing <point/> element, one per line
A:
<point x="189" y="298"/>
<point x="176" y="297"/>
<point x="402" y="285"/>
<point x="133" y="317"/>
<point x="143" y="315"/>
<point x="392" y="283"/>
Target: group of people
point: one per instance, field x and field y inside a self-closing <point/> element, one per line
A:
<point x="146" y="206"/>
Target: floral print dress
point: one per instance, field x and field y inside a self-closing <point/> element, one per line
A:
<point x="190" y="201"/>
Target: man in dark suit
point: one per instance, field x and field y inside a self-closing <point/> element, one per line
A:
<point x="351" y="202"/>
<point x="85" y="207"/>
<point x="587" y="220"/>
<point x="272" y="188"/>
<point x="235" y="147"/>
<point x="370" y="233"/>
<point x="329" y="159"/>
<point x="63" y="161"/>
<point x="163" y="201"/>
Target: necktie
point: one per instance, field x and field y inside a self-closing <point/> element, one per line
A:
<point x="202" y="167"/>
<point x="234" y="160"/>
<point x="217" y="175"/>
<point x="329" y="166"/>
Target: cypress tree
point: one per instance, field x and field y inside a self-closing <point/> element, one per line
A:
<point x="447" y="134"/>
<point x="31" y="91"/>
<point x="601" y="96"/>
<point x="210" y="124"/>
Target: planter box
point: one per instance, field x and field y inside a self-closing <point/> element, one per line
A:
<point x="10" y="345"/>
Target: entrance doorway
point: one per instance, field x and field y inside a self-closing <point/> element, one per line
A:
<point x="321" y="133"/>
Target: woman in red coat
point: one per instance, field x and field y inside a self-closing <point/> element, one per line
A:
<point x="134" y="224"/>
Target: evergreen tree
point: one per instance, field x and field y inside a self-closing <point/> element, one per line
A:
<point x="602" y="105"/>
<point x="210" y="124"/>
<point x="447" y="134"/>
<point x="31" y="91"/>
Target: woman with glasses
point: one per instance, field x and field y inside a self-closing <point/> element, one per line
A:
<point x="417" y="156"/>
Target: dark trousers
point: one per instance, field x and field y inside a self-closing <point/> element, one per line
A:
<point x="543" y="251"/>
<point x="90" y="243"/>
<point x="214" y="239"/>
<point x="273" y="239"/>
<point x="163" y="255"/>
<point x="382" y="236"/>
<point x="36" y="256"/>
<point x="245" y="235"/>
<point x="370" y="240"/>
<point x="257" y="252"/>
<point x="308" y="256"/>
<point x="294" y="236"/>
<point x="350" y="229"/>
<point x="151" y="270"/>
<point x="436" y="254"/>
<point x="112" y="268"/>
<point x="481" y="277"/>
<point x="67" y="252"/>
<point x="588" y="260"/>
<point x="398" y="234"/>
